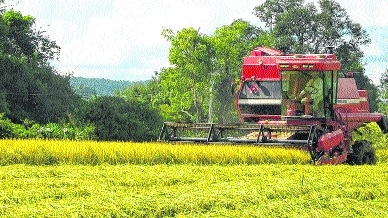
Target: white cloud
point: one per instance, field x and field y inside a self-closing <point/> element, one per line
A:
<point x="374" y="71"/>
<point x="120" y="39"/>
<point x="100" y="45"/>
<point x="367" y="13"/>
<point x="373" y="49"/>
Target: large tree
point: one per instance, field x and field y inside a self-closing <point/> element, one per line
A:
<point x="270" y="10"/>
<point x="204" y="68"/>
<point x="191" y="54"/>
<point x="304" y="28"/>
<point x="22" y="39"/>
<point x="30" y="88"/>
<point x="231" y="43"/>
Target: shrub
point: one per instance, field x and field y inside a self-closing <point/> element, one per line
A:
<point x="372" y="133"/>
<point x="117" y="119"/>
<point x="49" y="131"/>
<point x="7" y="128"/>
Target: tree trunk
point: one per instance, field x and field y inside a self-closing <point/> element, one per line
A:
<point x="197" y="106"/>
<point x="210" y="110"/>
<point x="225" y="101"/>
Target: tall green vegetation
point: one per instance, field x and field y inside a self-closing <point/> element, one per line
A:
<point x="115" y="118"/>
<point x="199" y="85"/>
<point x="37" y="101"/>
<point x="198" y="88"/>
<point x="30" y="88"/>
<point x="188" y="81"/>
<point x="231" y="43"/>
<point x="89" y="87"/>
<point x="383" y="93"/>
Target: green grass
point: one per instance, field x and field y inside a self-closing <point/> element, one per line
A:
<point x="273" y="190"/>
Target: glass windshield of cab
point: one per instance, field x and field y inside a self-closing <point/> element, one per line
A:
<point x="260" y="90"/>
<point x="306" y="91"/>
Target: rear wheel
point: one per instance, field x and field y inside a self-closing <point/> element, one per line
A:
<point x="363" y="153"/>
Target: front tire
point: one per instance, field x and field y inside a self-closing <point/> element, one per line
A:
<point x="363" y="153"/>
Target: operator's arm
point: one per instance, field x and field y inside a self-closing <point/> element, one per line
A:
<point x="308" y="88"/>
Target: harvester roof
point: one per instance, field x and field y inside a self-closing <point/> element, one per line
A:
<point x="265" y="63"/>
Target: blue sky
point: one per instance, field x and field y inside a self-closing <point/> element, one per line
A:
<point x="121" y="40"/>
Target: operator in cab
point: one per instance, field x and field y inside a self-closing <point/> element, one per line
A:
<point x="313" y="94"/>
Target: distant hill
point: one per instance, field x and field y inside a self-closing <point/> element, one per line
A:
<point x="97" y="86"/>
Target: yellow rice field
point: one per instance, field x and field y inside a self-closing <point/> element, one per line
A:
<point x="123" y="179"/>
<point x="50" y="152"/>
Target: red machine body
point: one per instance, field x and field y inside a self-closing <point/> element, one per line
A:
<point x="297" y="100"/>
<point x="270" y="91"/>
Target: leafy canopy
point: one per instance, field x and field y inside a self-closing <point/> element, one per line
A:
<point x="305" y="28"/>
<point x="204" y="68"/>
<point x="30" y="88"/>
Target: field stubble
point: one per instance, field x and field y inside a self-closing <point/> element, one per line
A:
<point x="273" y="190"/>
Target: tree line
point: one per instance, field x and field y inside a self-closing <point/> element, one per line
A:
<point x="199" y="87"/>
<point x="36" y="100"/>
<point x="88" y="87"/>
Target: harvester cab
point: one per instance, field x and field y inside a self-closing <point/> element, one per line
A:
<point x="306" y="98"/>
<point x="292" y="100"/>
<point x="280" y="87"/>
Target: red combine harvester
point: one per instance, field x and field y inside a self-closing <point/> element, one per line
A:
<point x="296" y="100"/>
